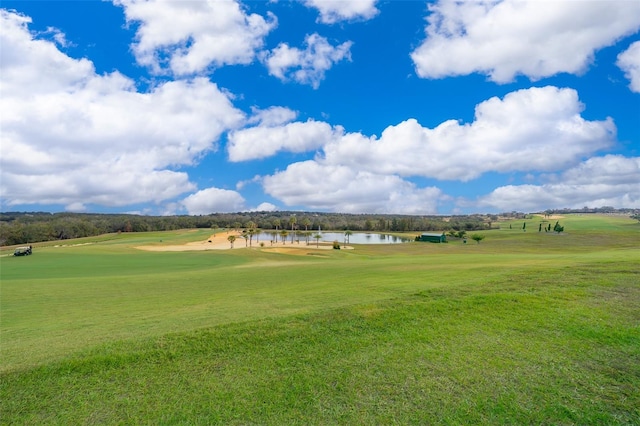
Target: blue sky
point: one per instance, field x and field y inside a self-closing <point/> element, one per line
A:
<point x="195" y="107"/>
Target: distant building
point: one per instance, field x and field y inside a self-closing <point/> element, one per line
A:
<point x="432" y="238"/>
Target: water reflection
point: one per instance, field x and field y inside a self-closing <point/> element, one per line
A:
<point x="328" y="237"/>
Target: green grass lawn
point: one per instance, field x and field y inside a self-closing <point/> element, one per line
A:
<point x="523" y="328"/>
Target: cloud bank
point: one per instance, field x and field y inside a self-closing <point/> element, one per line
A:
<point x="343" y="189"/>
<point x="507" y="38"/>
<point x="537" y="129"/>
<point x="74" y="137"/>
<point x="532" y="129"/>
<point x="611" y="180"/>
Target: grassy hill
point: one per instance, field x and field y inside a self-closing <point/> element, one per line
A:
<point x="524" y="327"/>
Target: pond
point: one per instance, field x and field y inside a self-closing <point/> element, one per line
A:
<point x="328" y="237"/>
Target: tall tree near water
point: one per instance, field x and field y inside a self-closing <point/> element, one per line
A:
<point x="292" y="221"/>
<point x="251" y="231"/>
<point x="347" y="234"/>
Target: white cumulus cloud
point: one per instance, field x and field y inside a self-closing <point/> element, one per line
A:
<point x="332" y="11"/>
<point x="214" y="200"/>
<point x="531" y="130"/>
<point x="190" y="36"/>
<point x="611" y="180"/>
<point x="629" y="62"/>
<point x="537" y="129"/>
<point x="272" y="116"/>
<point x="343" y="189"/>
<point x="266" y="207"/>
<point x="73" y="137"/>
<point x="306" y="66"/>
<point x="503" y="39"/>
<point x="264" y="141"/>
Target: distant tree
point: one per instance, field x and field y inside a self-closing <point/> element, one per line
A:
<point x="231" y="239"/>
<point x="306" y="223"/>
<point x="284" y="234"/>
<point x="293" y="221"/>
<point x="540" y="228"/>
<point x="276" y="223"/>
<point x="636" y="217"/>
<point x="306" y="235"/>
<point x="318" y="237"/>
<point x="461" y="234"/>
<point x="477" y="238"/>
<point x="557" y="228"/>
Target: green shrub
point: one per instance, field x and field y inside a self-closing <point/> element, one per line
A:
<point x="477" y="238"/>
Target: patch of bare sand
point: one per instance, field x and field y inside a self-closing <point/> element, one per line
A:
<point x="214" y="242"/>
<point x="553" y="216"/>
<point x="220" y="241"/>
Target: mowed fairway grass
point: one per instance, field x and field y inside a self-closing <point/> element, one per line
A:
<point x="523" y="328"/>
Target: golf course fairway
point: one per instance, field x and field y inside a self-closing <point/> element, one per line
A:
<point x="521" y="327"/>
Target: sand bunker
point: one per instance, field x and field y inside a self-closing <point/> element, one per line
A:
<point x="219" y="242"/>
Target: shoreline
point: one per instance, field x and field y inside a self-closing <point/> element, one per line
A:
<point x="219" y="242"/>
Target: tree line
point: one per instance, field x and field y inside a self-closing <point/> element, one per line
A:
<point x="32" y="227"/>
<point x="599" y="210"/>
